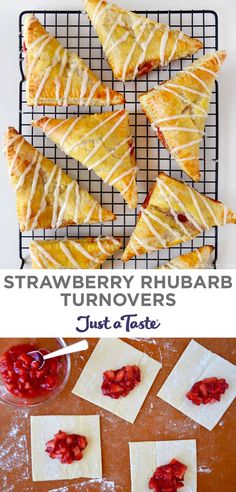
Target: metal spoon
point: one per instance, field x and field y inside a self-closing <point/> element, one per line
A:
<point x="75" y="347"/>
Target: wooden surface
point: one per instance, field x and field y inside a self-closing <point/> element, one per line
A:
<point x="156" y="421"/>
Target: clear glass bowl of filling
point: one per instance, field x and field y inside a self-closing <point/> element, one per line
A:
<point x="22" y="382"/>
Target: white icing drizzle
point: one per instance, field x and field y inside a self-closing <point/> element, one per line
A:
<point x="130" y="54"/>
<point x="99" y="213"/>
<point x="145" y="45"/>
<point x="68" y="254"/>
<point x="18" y="149"/>
<point x="99" y="14"/>
<point x="84" y="85"/>
<point x="47" y="255"/>
<point x="61" y="71"/>
<point x="90" y="213"/>
<point x="128" y="186"/>
<point x="55" y="60"/>
<point x="195" y="202"/>
<point x="215" y="74"/>
<point x="116" y="166"/>
<point x="63" y="208"/>
<point x="217" y="57"/>
<point x="36" y="260"/>
<point x="106" y="156"/>
<point x="37" y="41"/>
<point x="185" y="88"/>
<point x="154" y="231"/>
<point x="182" y="98"/>
<point x="199" y="256"/>
<point x="11" y="142"/>
<point x="77" y="204"/>
<point x="201" y="82"/>
<point x="176" y="117"/>
<point x="68" y="86"/>
<point x="33" y="189"/>
<point x="43" y="203"/>
<point x="113" y="28"/>
<point x="179" y="37"/>
<point x="69" y="130"/>
<point x="159" y="221"/>
<point x="96" y="10"/>
<point x="54" y="128"/>
<point x="102" y="123"/>
<point x="133" y="247"/>
<point x="143" y="243"/>
<point x="108" y="99"/>
<point x="104" y="138"/>
<point x="180" y="129"/>
<point x="122" y="39"/>
<point x="56" y="199"/>
<point x="101" y="247"/>
<point x="124" y="174"/>
<point x="163" y="44"/>
<point x="84" y="252"/>
<point x="185" y="146"/>
<point x="38" y="54"/>
<point x="26" y="171"/>
<point x="92" y="92"/>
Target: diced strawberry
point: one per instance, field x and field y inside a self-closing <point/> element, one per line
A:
<point x="120" y="382"/>
<point x="168" y="478"/>
<point x="66" y="447"/>
<point x="182" y="218"/>
<point x="209" y="390"/>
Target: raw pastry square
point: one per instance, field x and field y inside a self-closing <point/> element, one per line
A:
<point x="43" y="429"/>
<point x="114" y="354"/>
<point x="145" y="457"/>
<point x="195" y="364"/>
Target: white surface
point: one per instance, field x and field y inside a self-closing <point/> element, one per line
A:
<point x="9" y="109"/>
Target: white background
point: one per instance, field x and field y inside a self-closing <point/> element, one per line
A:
<point x="198" y="312"/>
<point x="9" y="80"/>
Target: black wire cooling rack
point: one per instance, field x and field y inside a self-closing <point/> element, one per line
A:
<point x="74" y="31"/>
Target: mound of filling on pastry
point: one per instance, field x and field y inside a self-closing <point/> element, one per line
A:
<point x="208" y="390"/>
<point x="66" y="447"/>
<point x="168" y="478"/>
<point x="121" y="381"/>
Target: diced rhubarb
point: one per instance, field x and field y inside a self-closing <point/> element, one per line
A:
<point x="21" y="373"/>
<point x="120" y="382"/>
<point x="168" y="478"/>
<point x="209" y="390"/>
<point x="66" y="447"/>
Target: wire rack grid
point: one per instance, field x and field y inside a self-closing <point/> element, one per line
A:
<point x="74" y="31"/>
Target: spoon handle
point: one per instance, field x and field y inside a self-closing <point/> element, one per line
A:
<point x="75" y="347"/>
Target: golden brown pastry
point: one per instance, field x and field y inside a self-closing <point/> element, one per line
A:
<point x="73" y="253"/>
<point x="172" y="213"/>
<point x="103" y="143"/>
<point x="198" y="258"/>
<point x="177" y="110"/>
<point x="57" y="77"/>
<point x="133" y="44"/>
<point x="46" y="197"/>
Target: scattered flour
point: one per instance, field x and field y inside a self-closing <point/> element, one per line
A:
<point x="204" y="469"/>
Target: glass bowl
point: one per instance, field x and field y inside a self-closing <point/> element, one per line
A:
<point x="49" y="344"/>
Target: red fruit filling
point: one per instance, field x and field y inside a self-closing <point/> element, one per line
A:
<point x="182" y="218"/>
<point x="208" y="390"/>
<point x="168" y="478"/>
<point x="66" y="447"/>
<point x="131" y="146"/>
<point x="121" y="382"/>
<point x="145" y="68"/>
<point x="24" y="49"/>
<point x="21" y="374"/>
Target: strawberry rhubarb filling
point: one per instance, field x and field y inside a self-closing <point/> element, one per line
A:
<point x="168" y="478"/>
<point x="120" y="382"/>
<point x="22" y="375"/>
<point x="145" y="68"/>
<point x="208" y="390"/>
<point x="66" y="447"/>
